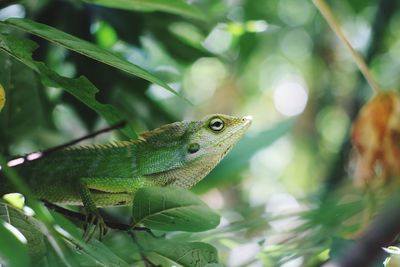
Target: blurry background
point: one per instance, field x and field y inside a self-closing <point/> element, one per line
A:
<point x="275" y="60"/>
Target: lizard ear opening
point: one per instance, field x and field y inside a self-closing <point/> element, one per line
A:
<point x="193" y="148"/>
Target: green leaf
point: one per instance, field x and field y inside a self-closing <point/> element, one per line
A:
<point x="96" y="253"/>
<point x="172" y="209"/>
<point x="85" y="48"/>
<point x="40" y="251"/>
<point x="21" y="103"/>
<point x="179" y="7"/>
<point x="81" y="88"/>
<point x="13" y="252"/>
<point x="121" y="244"/>
<point x="167" y="252"/>
<point x="47" y="224"/>
<point x="183" y="254"/>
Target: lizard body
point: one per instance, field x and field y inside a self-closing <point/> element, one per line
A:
<point x="178" y="154"/>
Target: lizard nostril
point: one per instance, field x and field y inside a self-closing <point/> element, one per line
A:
<point x="247" y="118"/>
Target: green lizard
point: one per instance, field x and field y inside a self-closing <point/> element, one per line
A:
<point x="178" y="154"/>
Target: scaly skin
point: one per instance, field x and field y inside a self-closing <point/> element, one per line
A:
<point x="178" y="154"/>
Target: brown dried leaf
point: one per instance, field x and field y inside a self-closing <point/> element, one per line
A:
<point x="2" y="97"/>
<point x="376" y="137"/>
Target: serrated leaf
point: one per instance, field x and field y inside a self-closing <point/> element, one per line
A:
<point x="179" y="7"/>
<point x="85" y="48"/>
<point x="172" y="209"/>
<point x="81" y="88"/>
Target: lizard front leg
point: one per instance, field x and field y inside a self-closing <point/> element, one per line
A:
<point x="89" y="188"/>
<point x="92" y="213"/>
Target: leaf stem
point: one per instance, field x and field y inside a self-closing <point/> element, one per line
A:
<point x="329" y="17"/>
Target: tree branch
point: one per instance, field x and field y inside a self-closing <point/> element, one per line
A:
<point x="45" y="153"/>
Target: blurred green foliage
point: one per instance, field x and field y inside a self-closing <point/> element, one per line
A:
<point x="284" y="194"/>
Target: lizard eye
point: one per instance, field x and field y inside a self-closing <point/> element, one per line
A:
<point x="216" y="124"/>
<point x="193" y="148"/>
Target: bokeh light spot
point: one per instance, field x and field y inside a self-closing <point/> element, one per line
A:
<point x="290" y="98"/>
<point x="205" y="75"/>
<point x="219" y="40"/>
<point x="295" y="12"/>
<point x="332" y="123"/>
<point x="297" y="45"/>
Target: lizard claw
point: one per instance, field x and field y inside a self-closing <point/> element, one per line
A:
<point x="94" y="222"/>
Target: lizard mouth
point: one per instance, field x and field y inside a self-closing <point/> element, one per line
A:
<point x="237" y="133"/>
<point x="226" y="151"/>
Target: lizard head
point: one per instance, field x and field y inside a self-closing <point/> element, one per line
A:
<point x="213" y="136"/>
<point x="185" y="152"/>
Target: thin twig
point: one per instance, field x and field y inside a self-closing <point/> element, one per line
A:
<point x="384" y="13"/>
<point x="47" y="152"/>
<point x="88" y="136"/>
<point x="326" y="12"/>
